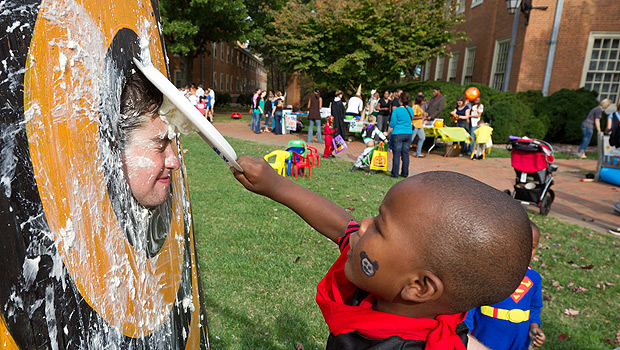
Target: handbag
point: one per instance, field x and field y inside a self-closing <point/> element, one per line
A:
<point x="339" y="144"/>
<point x="379" y="159"/>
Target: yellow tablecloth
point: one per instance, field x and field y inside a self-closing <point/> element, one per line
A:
<point x="451" y="134"/>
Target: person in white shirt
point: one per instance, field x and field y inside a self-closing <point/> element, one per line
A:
<point x="354" y="107"/>
<point x="200" y="91"/>
<point x="474" y="116"/>
<point x="212" y="94"/>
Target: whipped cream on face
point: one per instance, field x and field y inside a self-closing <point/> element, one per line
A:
<point x="177" y="122"/>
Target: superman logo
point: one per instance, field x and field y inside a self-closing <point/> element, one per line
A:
<point x="523" y="288"/>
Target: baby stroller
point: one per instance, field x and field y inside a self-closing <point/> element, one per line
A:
<point x="532" y="160"/>
<point x="363" y="161"/>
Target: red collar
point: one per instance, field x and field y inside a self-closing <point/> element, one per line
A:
<point x="334" y="290"/>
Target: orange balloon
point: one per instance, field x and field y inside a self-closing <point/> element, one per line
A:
<point x="472" y="93"/>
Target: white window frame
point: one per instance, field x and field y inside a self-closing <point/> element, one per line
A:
<point x="475" y="3"/>
<point x="214" y="80"/>
<point x="460" y="6"/>
<point x="221" y="81"/>
<point x="602" y="69"/>
<point x="222" y="51"/>
<point x="439" y="67"/>
<point x="496" y="61"/>
<point x="215" y="50"/>
<point x="469" y="57"/>
<point x="453" y="63"/>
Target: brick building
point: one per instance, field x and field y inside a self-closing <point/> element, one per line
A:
<point x="230" y="68"/>
<point x="587" y="53"/>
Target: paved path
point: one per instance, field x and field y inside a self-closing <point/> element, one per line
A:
<point x="587" y="204"/>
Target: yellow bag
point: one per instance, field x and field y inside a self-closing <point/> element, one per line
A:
<point x="379" y="158"/>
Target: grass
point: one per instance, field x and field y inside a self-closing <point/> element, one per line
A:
<point x="260" y="262"/>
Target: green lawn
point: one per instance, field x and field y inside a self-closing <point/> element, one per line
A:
<point x="260" y="262"/>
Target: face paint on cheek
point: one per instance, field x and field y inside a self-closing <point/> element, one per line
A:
<point x="369" y="267"/>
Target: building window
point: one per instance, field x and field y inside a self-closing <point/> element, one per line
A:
<point x="460" y="6"/>
<point x="215" y="50"/>
<point x="214" y="80"/>
<point x="178" y="78"/>
<point x="475" y="3"/>
<point x="221" y="81"/>
<point x="468" y="65"/>
<point x="228" y="54"/>
<point x="222" y="51"/>
<point x="500" y="57"/>
<point x="439" y="68"/>
<point x="602" y="66"/>
<point x="452" y="66"/>
<point x="427" y="70"/>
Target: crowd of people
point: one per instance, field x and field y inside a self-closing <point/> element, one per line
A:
<point x="269" y="106"/>
<point x="203" y="100"/>
<point x="401" y="119"/>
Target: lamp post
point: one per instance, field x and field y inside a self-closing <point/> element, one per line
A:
<point x="526" y="7"/>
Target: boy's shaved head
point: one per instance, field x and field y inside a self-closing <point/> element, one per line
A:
<point x="478" y="239"/>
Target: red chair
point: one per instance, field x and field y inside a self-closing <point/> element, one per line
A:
<point x="299" y="163"/>
<point x="314" y="155"/>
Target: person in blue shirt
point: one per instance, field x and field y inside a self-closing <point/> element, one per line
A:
<point x="401" y="133"/>
<point x="515" y="322"/>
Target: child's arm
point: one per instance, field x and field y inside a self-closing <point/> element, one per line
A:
<point x="320" y="213"/>
<point x="536" y="335"/>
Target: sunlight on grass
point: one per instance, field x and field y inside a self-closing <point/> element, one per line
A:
<point x="260" y="262"/>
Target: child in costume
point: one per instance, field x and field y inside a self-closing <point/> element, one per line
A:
<point x="483" y="137"/>
<point x="400" y="281"/>
<point x="363" y="161"/>
<point x="372" y="133"/>
<point x="329" y="131"/>
<point x="516" y="319"/>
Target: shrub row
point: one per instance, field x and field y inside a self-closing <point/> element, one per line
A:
<point x="222" y="98"/>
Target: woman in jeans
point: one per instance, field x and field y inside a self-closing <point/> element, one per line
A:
<point x="314" y="116"/>
<point x="587" y="127"/>
<point x="277" y="113"/>
<point x="401" y="133"/>
<point x="418" y="124"/>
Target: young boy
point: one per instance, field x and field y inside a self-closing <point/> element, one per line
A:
<point x="405" y="278"/>
<point x="517" y="318"/>
<point x="372" y="133"/>
<point x="483" y="135"/>
<point x="359" y="162"/>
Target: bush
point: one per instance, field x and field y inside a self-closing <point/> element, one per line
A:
<point x="244" y="99"/>
<point x="565" y="110"/>
<point x="222" y="98"/>
<point x="509" y="116"/>
<point x="530" y="97"/>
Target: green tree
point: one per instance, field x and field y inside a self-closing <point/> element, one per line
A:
<point x="190" y="25"/>
<point x="372" y="42"/>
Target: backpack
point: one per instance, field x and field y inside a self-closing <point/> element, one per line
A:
<point x="614" y="137"/>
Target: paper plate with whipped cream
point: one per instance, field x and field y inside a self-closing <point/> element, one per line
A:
<point x="182" y="117"/>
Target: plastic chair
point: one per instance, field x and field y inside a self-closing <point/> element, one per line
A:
<point x="299" y="163"/>
<point x="289" y="161"/>
<point x="279" y="164"/>
<point x="314" y="155"/>
<point x="300" y="144"/>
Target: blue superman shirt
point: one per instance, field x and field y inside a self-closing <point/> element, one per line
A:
<point x="502" y="334"/>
